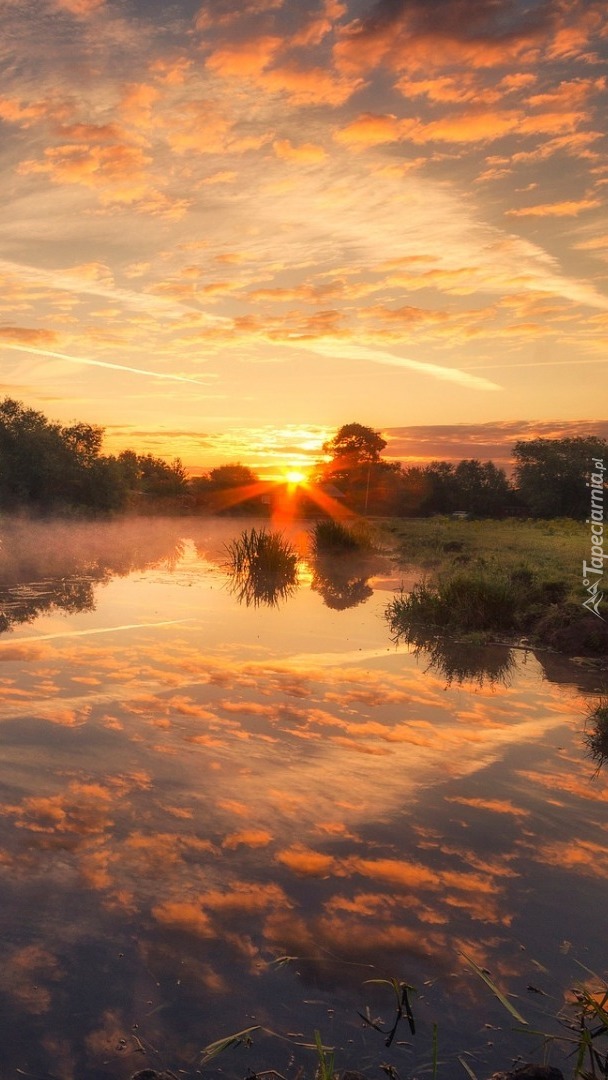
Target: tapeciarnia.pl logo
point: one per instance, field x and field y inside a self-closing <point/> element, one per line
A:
<point x="593" y="571"/>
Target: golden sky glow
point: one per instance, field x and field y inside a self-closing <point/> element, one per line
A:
<point x="229" y="228"/>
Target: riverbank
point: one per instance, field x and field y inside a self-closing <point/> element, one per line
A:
<point x="491" y="581"/>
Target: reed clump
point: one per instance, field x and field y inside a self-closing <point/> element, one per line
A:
<point x="331" y="537"/>
<point x="471" y="600"/>
<point x="263" y="566"/>
<point x="596" y="733"/>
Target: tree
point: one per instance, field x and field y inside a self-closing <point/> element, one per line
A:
<point x="482" y="489"/>
<point x="551" y="474"/>
<point x="368" y="483"/>
<point x="354" y="445"/>
<point x="227" y="476"/>
<point x="47" y="466"/>
<point x="146" y="474"/>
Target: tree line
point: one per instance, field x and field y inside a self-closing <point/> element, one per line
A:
<point x="550" y="478"/>
<point x="51" y="468"/>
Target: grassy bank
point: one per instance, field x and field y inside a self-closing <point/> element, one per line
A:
<point x="497" y="579"/>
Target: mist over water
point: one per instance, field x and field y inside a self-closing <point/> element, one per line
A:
<point x="193" y="788"/>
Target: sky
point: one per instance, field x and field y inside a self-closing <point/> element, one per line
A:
<point x="229" y="228"/>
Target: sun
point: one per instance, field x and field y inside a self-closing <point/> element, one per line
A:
<point x="294" y="476"/>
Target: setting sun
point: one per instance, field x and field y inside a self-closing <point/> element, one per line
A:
<point x="294" y="476"/>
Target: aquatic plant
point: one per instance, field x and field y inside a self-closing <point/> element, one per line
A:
<point x="263" y="566"/>
<point x="401" y="991"/>
<point x="474" y="599"/>
<point x="596" y="733"/>
<point x="330" y="537"/>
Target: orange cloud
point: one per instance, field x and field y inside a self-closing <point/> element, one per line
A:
<point x="245" y="897"/>
<point x="119" y="167"/>
<point x="137" y="102"/>
<point x="254" y="838"/>
<point x="171" y="72"/>
<point x="306" y="862"/>
<point x="184" y="915"/>
<point x="84" y="809"/>
<point x="496" y="806"/>
<point x="27" y="335"/>
<point x="219" y="13"/>
<point x="246" y="58"/>
<point x="372" y="129"/>
<point x="304" y="154"/>
<point x="568" y="208"/>
<point x="79" y="7"/>
<point x="308" y="85"/>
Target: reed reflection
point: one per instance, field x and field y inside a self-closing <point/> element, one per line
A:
<point x="596" y="734"/>
<point x="263" y="567"/>
<point x="459" y="662"/>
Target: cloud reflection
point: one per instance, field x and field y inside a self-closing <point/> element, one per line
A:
<point x="203" y="808"/>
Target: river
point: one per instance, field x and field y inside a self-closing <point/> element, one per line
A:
<point x="219" y="815"/>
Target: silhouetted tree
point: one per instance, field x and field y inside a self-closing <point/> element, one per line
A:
<point x="46" y="466"/>
<point x="369" y="484"/>
<point x="482" y="489"/>
<point x="551" y="474"/>
<point x="145" y="474"/>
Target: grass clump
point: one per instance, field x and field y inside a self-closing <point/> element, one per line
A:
<point x="263" y="566"/>
<point x="332" y="538"/>
<point x="472" y="600"/>
<point x="596" y="733"/>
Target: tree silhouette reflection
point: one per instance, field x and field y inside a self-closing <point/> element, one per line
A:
<point x="57" y="566"/>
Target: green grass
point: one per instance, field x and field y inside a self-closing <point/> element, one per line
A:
<point x="552" y="549"/>
<point x="471" y="600"/>
<point x="496" y="578"/>
<point x="332" y="538"/>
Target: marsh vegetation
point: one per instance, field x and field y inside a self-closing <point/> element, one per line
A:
<point x="263" y="566"/>
<point x="483" y="580"/>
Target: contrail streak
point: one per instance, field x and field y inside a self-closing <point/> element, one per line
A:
<point x="534" y="363"/>
<point x="378" y="356"/>
<point x="97" y="630"/>
<point x="100" y="363"/>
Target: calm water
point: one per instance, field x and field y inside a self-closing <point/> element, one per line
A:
<point x="193" y="788"/>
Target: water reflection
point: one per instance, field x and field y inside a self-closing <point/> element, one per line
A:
<point x="343" y="581"/>
<point x="55" y="566"/>
<point x="180" y="807"/>
<point x="596" y="734"/>
<point x="459" y="662"/>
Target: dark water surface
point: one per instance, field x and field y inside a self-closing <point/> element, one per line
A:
<point x="193" y="788"/>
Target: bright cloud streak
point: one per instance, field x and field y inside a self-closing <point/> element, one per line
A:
<point x="102" y="363"/>
<point x="91" y="631"/>
<point x="359" y="352"/>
